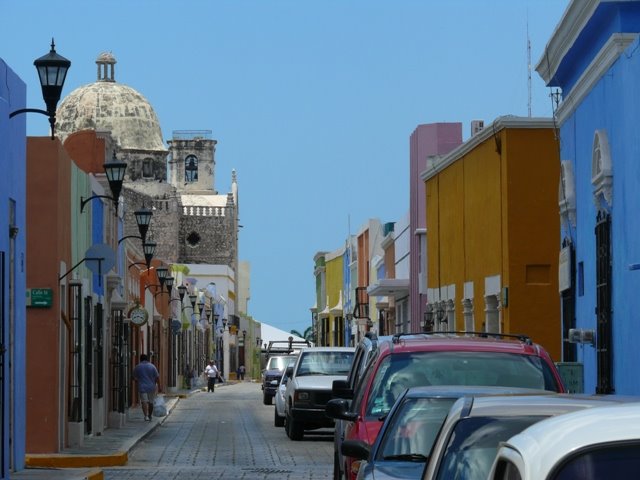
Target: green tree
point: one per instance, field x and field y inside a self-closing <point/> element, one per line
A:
<point x="307" y="335"/>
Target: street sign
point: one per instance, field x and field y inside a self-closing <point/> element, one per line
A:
<point x="39" y="297"/>
<point x="572" y="374"/>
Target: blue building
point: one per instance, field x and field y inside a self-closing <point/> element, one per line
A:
<point x="12" y="271"/>
<point x="593" y="58"/>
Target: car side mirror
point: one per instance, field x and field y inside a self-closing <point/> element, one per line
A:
<point x="355" y="449"/>
<point x="338" y="409"/>
<point x="341" y="389"/>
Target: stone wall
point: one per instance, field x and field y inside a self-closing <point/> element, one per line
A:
<point x="164" y="222"/>
<point x="208" y="239"/>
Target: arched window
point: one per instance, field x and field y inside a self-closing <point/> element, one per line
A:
<point x="567" y="194"/>
<point x="601" y="169"/>
<point x="191" y="169"/>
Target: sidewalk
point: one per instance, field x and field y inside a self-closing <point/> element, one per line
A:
<point x="107" y="450"/>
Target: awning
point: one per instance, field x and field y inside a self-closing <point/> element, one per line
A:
<point x="390" y="287"/>
<point x="336" y="311"/>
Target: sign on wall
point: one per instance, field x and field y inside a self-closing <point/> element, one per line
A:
<point x="564" y="269"/>
<point x="39" y="297"/>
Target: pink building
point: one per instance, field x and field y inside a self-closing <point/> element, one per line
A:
<point x="427" y="140"/>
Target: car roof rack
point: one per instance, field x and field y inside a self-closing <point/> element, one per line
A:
<point x="288" y="347"/>
<point x="523" y="338"/>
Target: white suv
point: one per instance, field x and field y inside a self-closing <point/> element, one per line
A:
<point x="309" y="389"/>
<point x="601" y="442"/>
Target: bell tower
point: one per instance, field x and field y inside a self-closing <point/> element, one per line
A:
<point x="192" y="161"/>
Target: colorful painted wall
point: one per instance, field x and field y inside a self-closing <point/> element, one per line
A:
<point x="425" y="141"/>
<point x="598" y="115"/>
<point x="334" y="278"/>
<point x="13" y="225"/>
<point x="49" y="253"/>
<point x="492" y="229"/>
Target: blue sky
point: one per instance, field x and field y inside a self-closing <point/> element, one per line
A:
<point x="311" y="102"/>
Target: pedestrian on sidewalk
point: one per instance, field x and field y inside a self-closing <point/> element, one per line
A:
<point x="147" y="378"/>
<point x="212" y="373"/>
<point x="241" y="371"/>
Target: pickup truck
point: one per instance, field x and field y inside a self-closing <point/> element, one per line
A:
<point x="309" y="389"/>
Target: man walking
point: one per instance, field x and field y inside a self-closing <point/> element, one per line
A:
<point x="212" y="373"/>
<point x="146" y="376"/>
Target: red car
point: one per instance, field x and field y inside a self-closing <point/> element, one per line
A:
<point x="437" y="359"/>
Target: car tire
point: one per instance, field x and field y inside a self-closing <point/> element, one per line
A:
<point x="295" y="430"/>
<point x="266" y="399"/>
<point x="278" y="421"/>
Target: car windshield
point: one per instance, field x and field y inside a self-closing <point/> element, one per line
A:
<point x="412" y="430"/>
<point x="404" y="370"/>
<point x="280" y="363"/>
<point x="324" y="363"/>
<point x="473" y="445"/>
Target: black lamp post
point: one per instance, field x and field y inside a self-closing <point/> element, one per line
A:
<point x="143" y="219"/>
<point x="114" y="171"/>
<point x="193" y="298"/>
<point x="182" y="290"/>
<point x="149" y="249"/>
<point x="162" y="273"/>
<point x="168" y="282"/>
<point x="52" y="71"/>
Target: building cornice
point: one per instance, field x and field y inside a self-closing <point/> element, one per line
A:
<point x="603" y="61"/>
<point x="498" y="124"/>
<point x="573" y="21"/>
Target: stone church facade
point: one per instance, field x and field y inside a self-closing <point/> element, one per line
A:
<point x="192" y="223"/>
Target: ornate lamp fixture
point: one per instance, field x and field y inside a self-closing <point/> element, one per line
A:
<point x="114" y="170"/>
<point x="52" y="71"/>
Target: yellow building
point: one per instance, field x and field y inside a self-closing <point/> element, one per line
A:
<point x="332" y="317"/>
<point x="493" y="232"/>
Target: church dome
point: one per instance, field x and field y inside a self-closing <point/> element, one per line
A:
<point x="107" y="105"/>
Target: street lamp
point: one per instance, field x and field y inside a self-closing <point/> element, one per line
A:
<point x="143" y="219"/>
<point x="52" y="71"/>
<point x="162" y="273"/>
<point x="182" y="290"/>
<point x="114" y="170"/>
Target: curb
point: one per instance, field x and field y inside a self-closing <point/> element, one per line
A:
<point x="66" y="474"/>
<point x="44" y="460"/>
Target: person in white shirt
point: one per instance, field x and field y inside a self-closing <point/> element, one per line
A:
<point x="212" y="373"/>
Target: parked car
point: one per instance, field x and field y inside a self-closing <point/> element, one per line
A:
<point x="345" y="388"/>
<point x="602" y="442"/>
<point x="272" y="374"/>
<point x="411" y="360"/>
<point x="309" y="388"/>
<point x="279" y="412"/>
<point x="468" y="441"/>
<point x="410" y="429"/>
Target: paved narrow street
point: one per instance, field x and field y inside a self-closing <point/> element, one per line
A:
<point x="227" y="435"/>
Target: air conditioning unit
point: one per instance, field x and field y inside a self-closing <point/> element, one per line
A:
<point x="583" y="336"/>
<point x="476" y="126"/>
